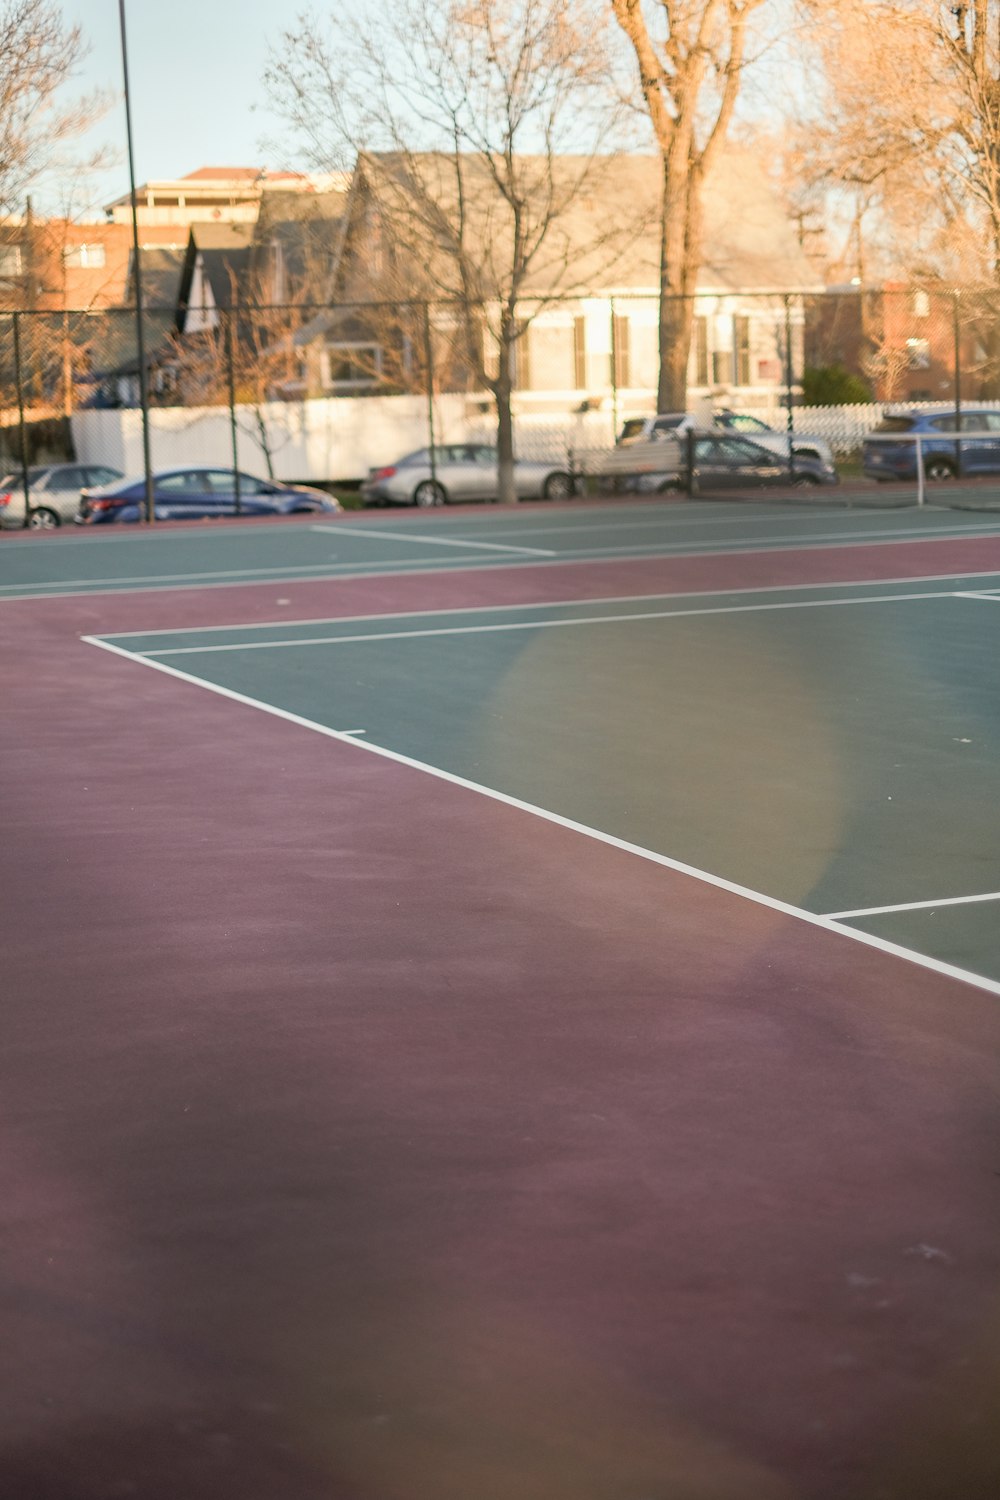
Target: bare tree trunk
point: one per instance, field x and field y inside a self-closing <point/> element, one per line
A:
<point x="506" y="489"/>
<point x="263" y="439"/>
<point x="680" y="259"/>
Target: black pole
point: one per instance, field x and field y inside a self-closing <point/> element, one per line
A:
<point x="429" y="361"/>
<point x="137" y="271"/>
<point x="957" y="337"/>
<point x="614" y="370"/>
<point x="20" y="418"/>
<point x="788" y="387"/>
<point x="231" y="377"/>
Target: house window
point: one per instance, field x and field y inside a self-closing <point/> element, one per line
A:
<point x="722" y="367"/>
<point x="700" y="341"/>
<point x="918" y="352"/>
<point x="741" y="348"/>
<point x="580" y="353"/>
<point x="351" y="365"/>
<point x="521" y="359"/>
<point x="277" y="258"/>
<point x="921" y="304"/>
<point x="10" y="260"/>
<point x="86" y="256"/>
<point x="621" y="360"/>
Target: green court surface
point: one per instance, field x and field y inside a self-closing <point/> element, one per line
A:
<point x="132" y="559"/>
<point x="831" y="749"/>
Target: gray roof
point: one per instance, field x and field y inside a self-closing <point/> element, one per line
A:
<point x="604" y="234"/>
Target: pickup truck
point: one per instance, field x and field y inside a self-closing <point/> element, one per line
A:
<point x="804" y="445"/>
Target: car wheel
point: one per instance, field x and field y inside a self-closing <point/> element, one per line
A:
<point x="937" y="469"/>
<point x="43" y="519"/>
<point x="558" y="487"/>
<point x="804" y="482"/>
<point x="429" y="493"/>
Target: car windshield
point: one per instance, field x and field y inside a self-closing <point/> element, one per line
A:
<point x="632" y="428"/>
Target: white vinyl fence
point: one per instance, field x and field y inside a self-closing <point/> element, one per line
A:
<point x="341" y="438"/>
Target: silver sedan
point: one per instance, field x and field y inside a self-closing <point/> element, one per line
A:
<point x="462" y="471"/>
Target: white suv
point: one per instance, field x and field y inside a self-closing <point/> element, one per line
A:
<point x="650" y="429"/>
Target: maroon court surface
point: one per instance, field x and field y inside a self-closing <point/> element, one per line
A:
<point x="367" y="1139"/>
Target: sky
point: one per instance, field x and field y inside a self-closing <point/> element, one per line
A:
<point x="195" y="71"/>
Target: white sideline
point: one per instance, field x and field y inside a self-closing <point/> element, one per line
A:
<point x="877" y="911"/>
<point x="653" y="614"/>
<point x="813" y="919"/>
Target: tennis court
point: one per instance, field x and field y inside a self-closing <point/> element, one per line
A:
<point x="507" y="1003"/>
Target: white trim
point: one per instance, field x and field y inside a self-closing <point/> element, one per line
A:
<point x="826" y="924"/>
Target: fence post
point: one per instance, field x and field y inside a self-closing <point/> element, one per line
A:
<point x="429" y="361"/>
<point x="956" y="332"/>
<point x="20" y="418"/>
<point x="790" y="420"/>
<point x="614" y="373"/>
<point x="231" y="378"/>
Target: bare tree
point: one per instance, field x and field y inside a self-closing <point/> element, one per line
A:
<point x="38" y="55"/>
<point x="912" y="131"/>
<point x="482" y="125"/>
<point x="689" y="79"/>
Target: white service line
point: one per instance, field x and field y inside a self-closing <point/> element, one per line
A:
<point x="826" y="924"/>
<point x="494" y="609"/>
<point x="433" y="541"/>
<point x="508" y="625"/>
<point x="974" y="594"/>
<point x="876" y="911"/>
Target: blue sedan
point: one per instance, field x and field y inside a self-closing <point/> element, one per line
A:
<point x="198" y="494"/>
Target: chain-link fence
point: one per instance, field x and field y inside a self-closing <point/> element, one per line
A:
<point x="321" y="393"/>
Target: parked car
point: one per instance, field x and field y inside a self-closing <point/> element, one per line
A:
<point x="724" y="463"/>
<point x="943" y="457"/>
<point x="731" y="462"/>
<point x="804" y="445"/>
<point x="196" y="494"/>
<point x="53" y="493"/>
<point x="462" y="471"/>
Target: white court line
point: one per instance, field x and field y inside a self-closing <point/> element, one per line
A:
<point x="813" y="919"/>
<point x="239" y="577"/>
<point x="645" y="522"/>
<point x="976" y="594"/>
<point x="875" y="911"/>
<point x="433" y="541"/>
<point x="656" y="614"/>
<point x="494" y="609"/>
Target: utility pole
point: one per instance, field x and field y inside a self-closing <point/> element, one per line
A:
<point x="137" y="273"/>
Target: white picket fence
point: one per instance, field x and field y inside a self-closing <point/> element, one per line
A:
<point x="341" y="438"/>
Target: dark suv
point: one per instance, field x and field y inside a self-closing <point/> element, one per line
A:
<point x="973" y="449"/>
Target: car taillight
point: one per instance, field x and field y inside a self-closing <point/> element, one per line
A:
<point x="384" y="473"/>
<point x="5" y="499"/>
<point x="101" y="504"/>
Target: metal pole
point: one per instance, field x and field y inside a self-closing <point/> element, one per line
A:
<point x="429" y="361"/>
<point x="231" y="376"/>
<point x="921" y="488"/>
<point x="788" y="386"/>
<point x="140" y="336"/>
<point x="957" y="337"/>
<point x="20" y="418"/>
<point x="614" y="373"/>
